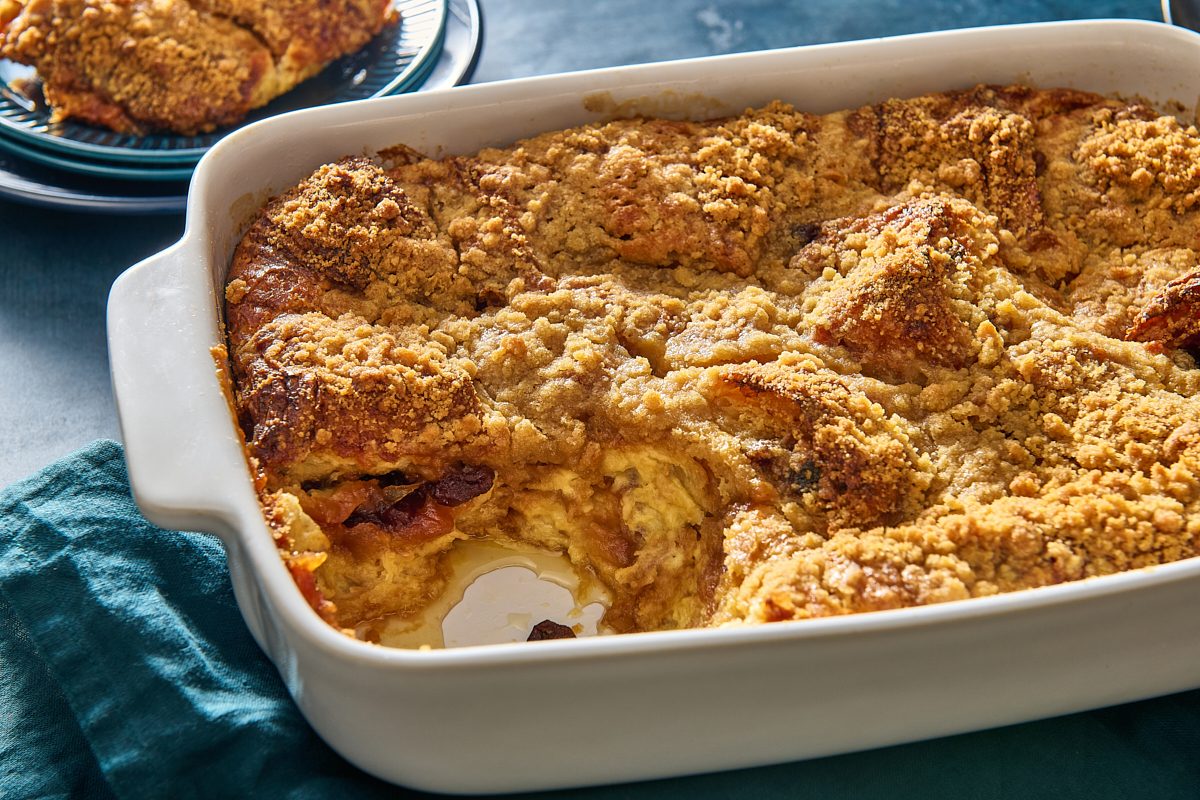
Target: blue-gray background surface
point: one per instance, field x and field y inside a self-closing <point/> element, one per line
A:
<point x="56" y="268"/>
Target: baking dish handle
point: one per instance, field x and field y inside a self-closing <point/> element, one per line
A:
<point x="181" y="444"/>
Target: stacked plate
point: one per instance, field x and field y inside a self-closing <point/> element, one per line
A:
<point x="73" y="165"/>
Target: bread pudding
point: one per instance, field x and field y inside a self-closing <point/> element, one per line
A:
<point x="769" y="367"/>
<point x="186" y="66"/>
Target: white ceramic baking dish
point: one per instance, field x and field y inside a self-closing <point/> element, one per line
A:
<point x="504" y="718"/>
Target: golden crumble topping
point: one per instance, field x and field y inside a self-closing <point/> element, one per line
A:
<point x="769" y="367"/>
<point x="186" y="66"/>
<point x="1146" y="158"/>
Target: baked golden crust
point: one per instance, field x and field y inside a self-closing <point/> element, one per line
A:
<point x="769" y="367"/>
<point x="181" y="65"/>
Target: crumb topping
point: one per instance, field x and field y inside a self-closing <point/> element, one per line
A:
<point x="1157" y="158"/>
<point x="769" y="367"/>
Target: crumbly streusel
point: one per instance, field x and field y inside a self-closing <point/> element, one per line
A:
<point x="768" y="367"/>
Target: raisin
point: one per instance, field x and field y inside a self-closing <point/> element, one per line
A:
<point x="462" y="484"/>
<point x="393" y="516"/>
<point x="549" y="629"/>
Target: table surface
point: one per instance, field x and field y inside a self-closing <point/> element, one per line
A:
<point x="57" y="266"/>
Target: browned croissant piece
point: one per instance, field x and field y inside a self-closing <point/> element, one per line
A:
<point x="775" y="366"/>
<point x="186" y="66"/>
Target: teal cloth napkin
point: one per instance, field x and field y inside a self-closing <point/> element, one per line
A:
<point x="126" y="672"/>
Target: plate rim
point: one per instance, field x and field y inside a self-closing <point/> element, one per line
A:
<point x="165" y="173"/>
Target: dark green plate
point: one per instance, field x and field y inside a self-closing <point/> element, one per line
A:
<point x="124" y="172"/>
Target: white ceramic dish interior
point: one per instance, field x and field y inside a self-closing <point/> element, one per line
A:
<point x="606" y="709"/>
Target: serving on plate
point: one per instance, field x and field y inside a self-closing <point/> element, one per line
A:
<point x="176" y="66"/>
<point x="150" y="124"/>
<point x="736" y="697"/>
<point x="81" y="176"/>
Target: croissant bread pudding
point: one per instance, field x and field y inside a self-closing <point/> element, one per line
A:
<point x="770" y="367"/>
<point x="186" y="66"/>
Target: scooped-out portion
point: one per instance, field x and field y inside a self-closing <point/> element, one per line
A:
<point x="769" y="367"/>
